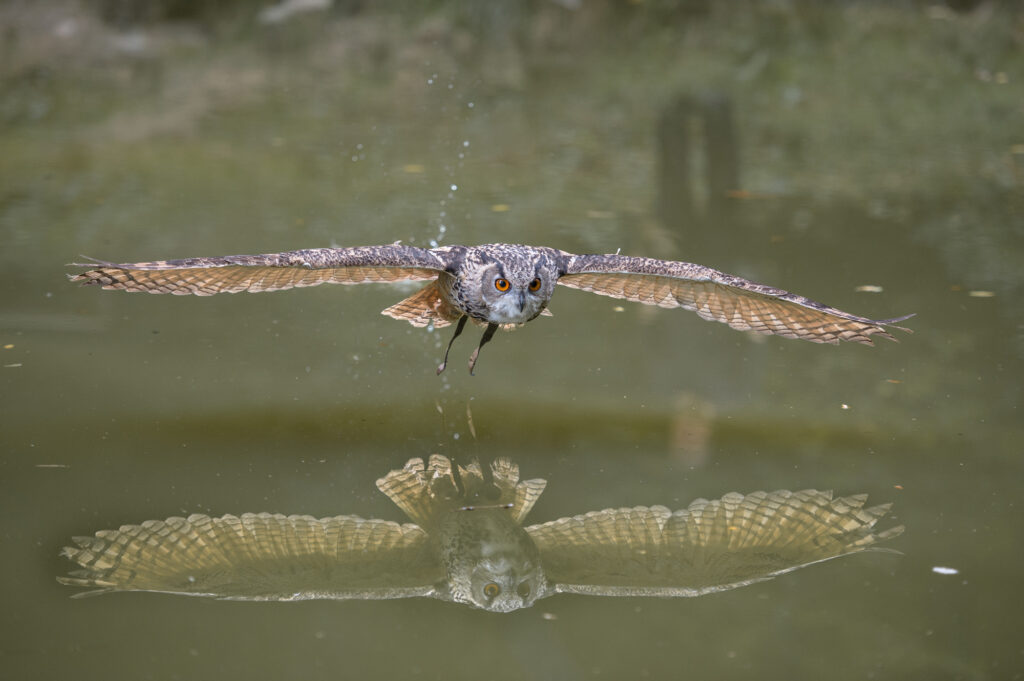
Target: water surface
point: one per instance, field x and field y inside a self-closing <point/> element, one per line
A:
<point x="871" y="154"/>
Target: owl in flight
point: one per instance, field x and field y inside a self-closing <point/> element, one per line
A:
<point x="498" y="285"/>
<point x="468" y="545"/>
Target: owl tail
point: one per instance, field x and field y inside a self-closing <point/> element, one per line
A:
<point x="427" y="491"/>
<point x="426" y="306"/>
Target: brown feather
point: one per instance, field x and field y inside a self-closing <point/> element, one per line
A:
<point x="709" y="546"/>
<point x="743" y="305"/>
<point x="426" y="306"/>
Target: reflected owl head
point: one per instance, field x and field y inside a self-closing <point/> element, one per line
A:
<point x="504" y="584"/>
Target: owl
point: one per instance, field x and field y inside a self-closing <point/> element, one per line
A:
<point x="467" y="544"/>
<point x="498" y="285"/>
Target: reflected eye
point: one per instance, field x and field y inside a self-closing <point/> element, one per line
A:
<point x="492" y="589"/>
<point x="501" y="284"/>
<point x="535" y="284"/>
<point x="523" y="590"/>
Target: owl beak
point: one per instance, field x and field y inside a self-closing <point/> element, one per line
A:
<point x="522" y="300"/>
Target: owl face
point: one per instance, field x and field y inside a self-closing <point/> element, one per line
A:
<point x="504" y="583"/>
<point x="491" y="561"/>
<point x="516" y="292"/>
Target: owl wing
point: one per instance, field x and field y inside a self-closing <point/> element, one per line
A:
<point x="426" y="306"/>
<point x="267" y="272"/>
<point x="710" y="546"/>
<point x="427" y="490"/>
<point x="259" y="557"/>
<point x="720" y="297"/>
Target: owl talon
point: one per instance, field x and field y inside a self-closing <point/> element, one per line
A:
<point x="458" y="330"/>
<point x="488" y="334"/>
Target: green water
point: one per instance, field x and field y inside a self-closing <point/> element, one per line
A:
<point x="876" y="149"/>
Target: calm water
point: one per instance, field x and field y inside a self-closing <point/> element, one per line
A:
<point x="119" y="408"/>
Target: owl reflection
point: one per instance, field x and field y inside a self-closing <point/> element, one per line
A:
<point x="467" y="544"/>
<point x="499" y="286"/>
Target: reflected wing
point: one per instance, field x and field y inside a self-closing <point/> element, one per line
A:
<point x="268" y="272"/>
<point x="260" y="556"/>
<point x="427" y="490"/>
<point x="720" y="297"/>
<point x="710" y="546"/>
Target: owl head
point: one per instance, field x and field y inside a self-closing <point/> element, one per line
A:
<point x="501" y="583"/>
<point x="491" y="561"/>
<point x="515" y="287"/>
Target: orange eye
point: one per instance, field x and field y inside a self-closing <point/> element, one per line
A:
<point x="492" y="589"/>
<point x="502" y="284"/>
<point x="535" y="285"/>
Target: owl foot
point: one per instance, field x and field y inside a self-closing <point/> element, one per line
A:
<point x="456" y="475"/>
<point x="458" y="330"/>
<point x="488" y="334"/>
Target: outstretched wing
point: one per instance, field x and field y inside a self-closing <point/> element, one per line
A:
<point x="720" y="297"/>
<point x="710" y="546"/>
<point x="259" y="557"/>
<point x="267" y="272"/>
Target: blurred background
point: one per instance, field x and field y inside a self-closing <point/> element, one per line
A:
<point x="869" y="155"/>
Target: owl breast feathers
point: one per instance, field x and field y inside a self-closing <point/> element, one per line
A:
<point x="499" y="285"/>
<point x="467" y="544"/>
